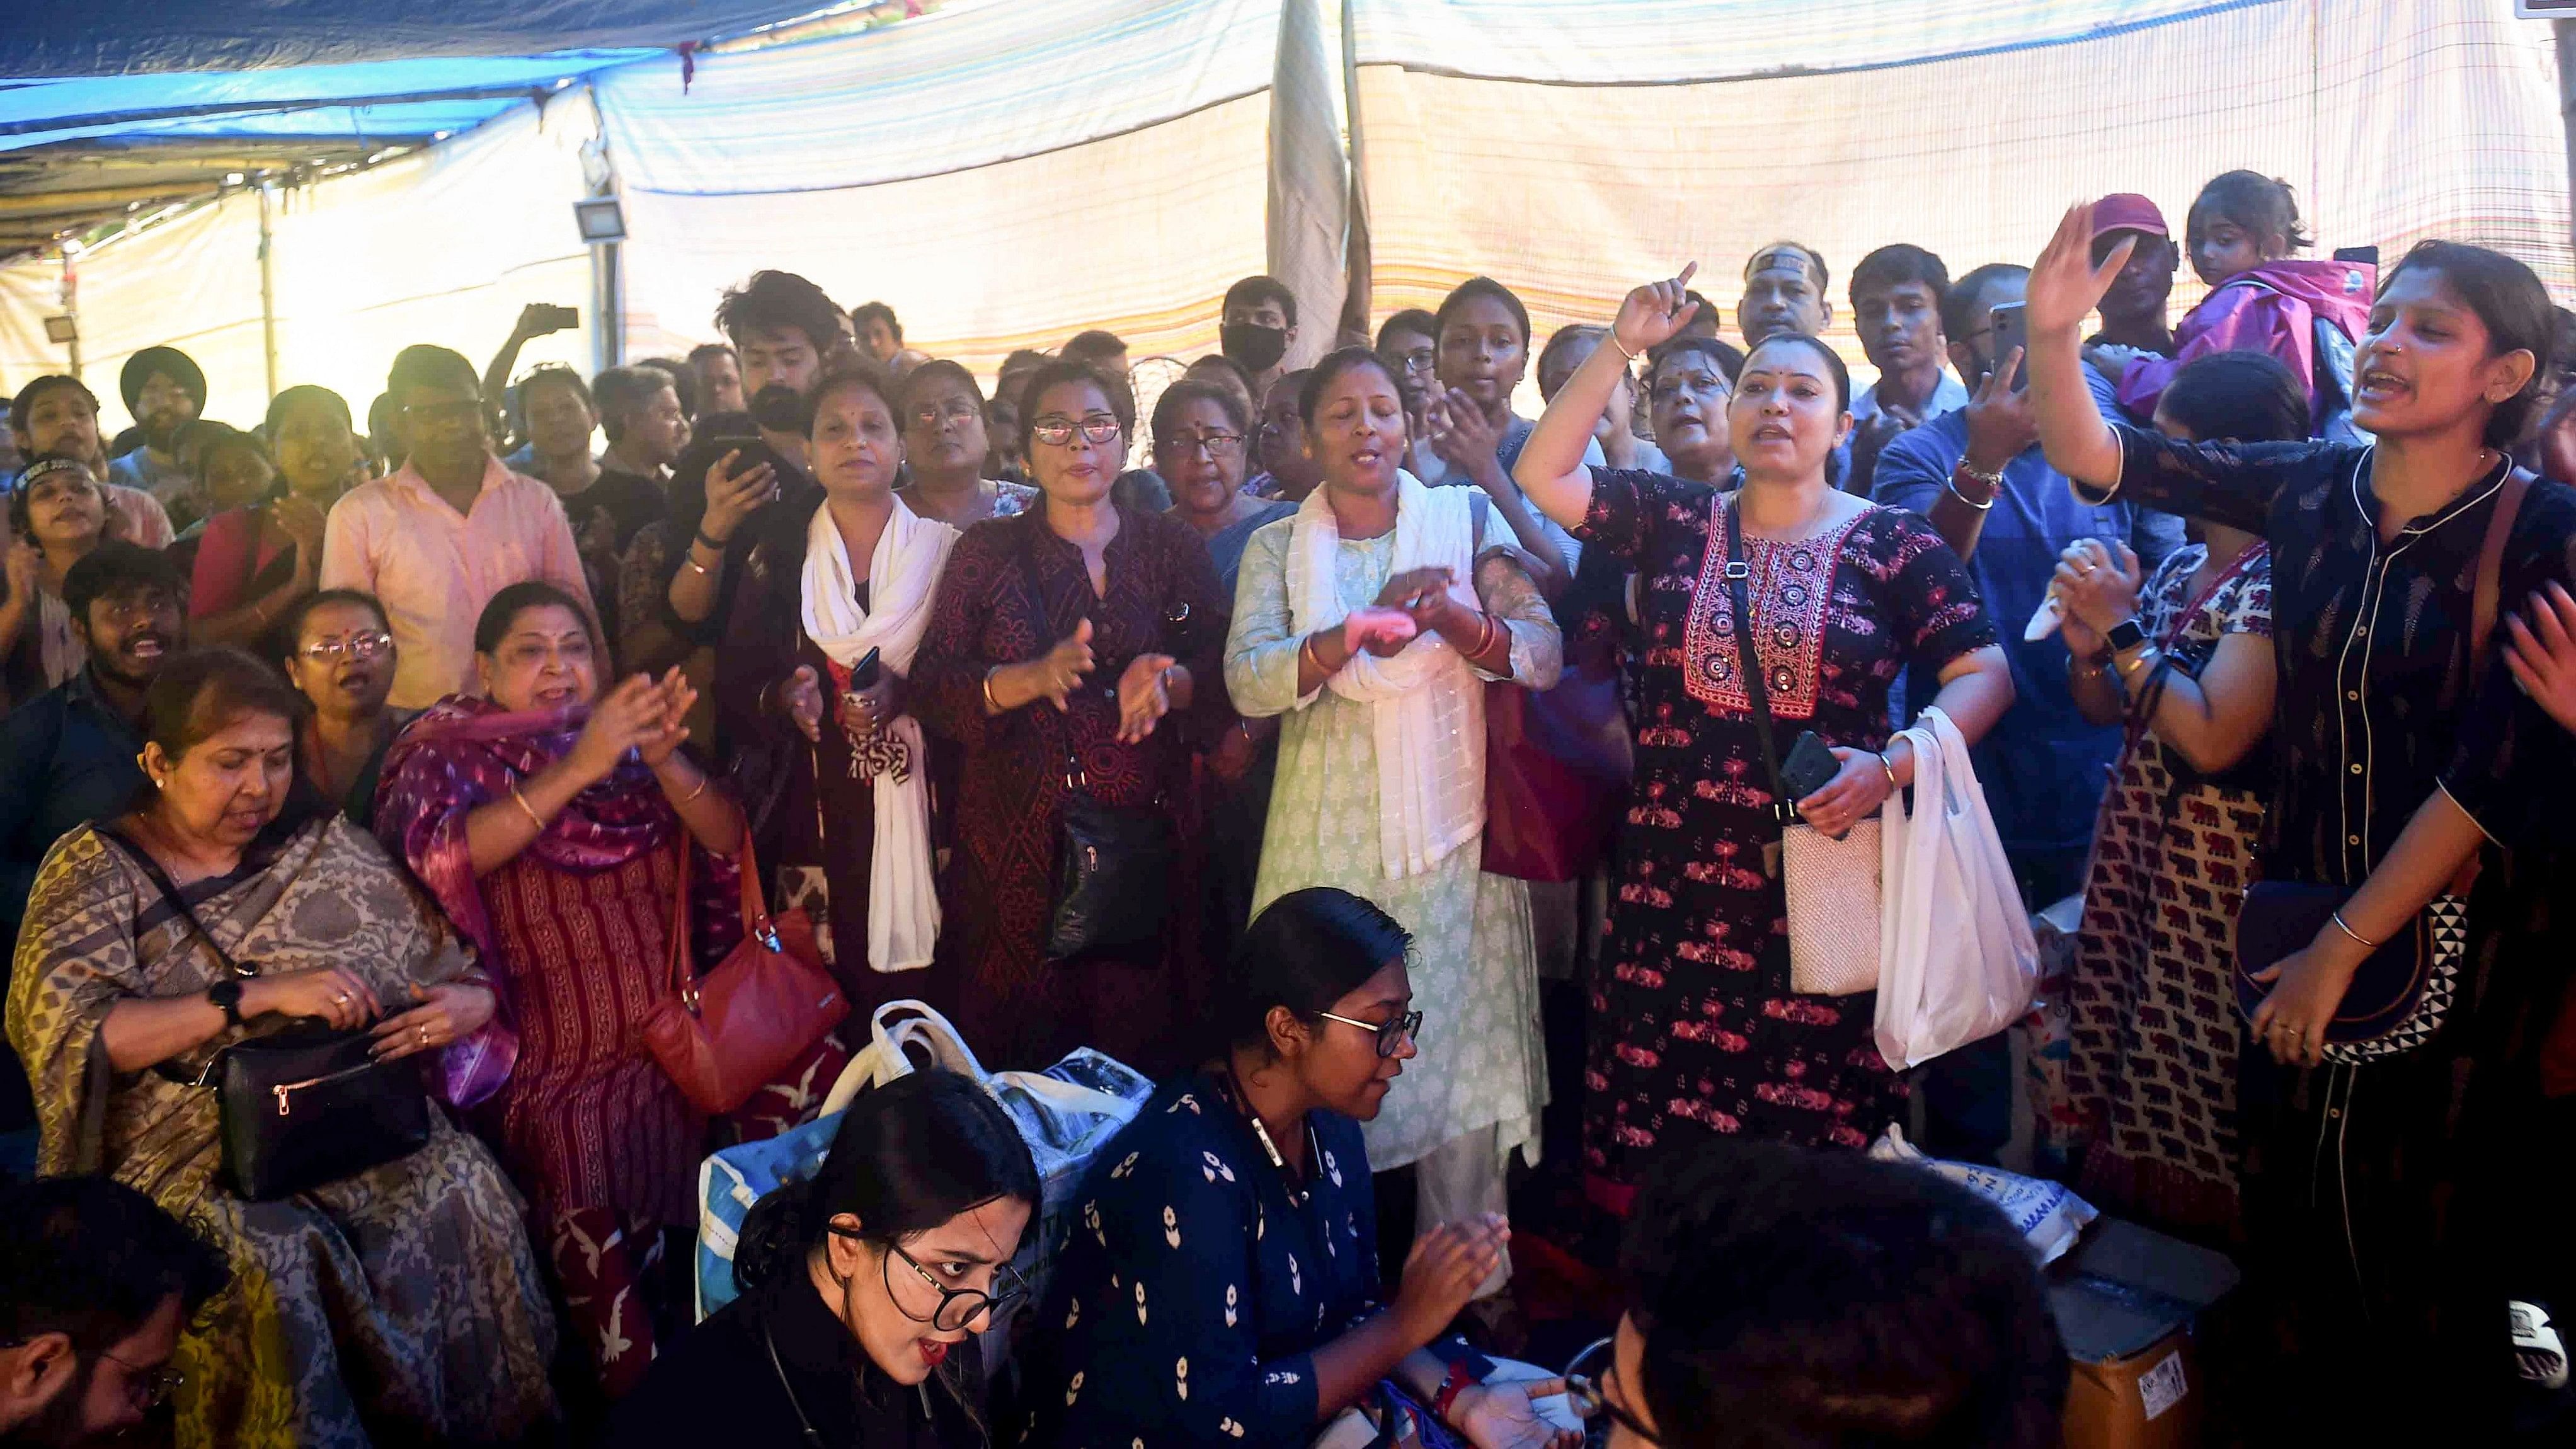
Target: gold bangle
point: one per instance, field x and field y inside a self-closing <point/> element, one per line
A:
<point x="703" y="782"/>
<point x="1622" y="346"/>
<point x="990" y="702"/>
<point x="1485" y="642"/>
<point x="1884" y="764"/>
<point x="527" y="809"/>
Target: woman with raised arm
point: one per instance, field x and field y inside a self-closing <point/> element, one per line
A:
<point x="2402" y="754"/>
<point x="1700" y="1029"/>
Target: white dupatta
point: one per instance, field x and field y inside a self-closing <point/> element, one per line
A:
<point x="903" y="573"/>
<point x="1426" y="703"/>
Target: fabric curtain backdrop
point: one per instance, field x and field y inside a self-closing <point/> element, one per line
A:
<point x="1574" y="151"/>
<point x="1006" y="174"/>
<point x="445" y="246"/>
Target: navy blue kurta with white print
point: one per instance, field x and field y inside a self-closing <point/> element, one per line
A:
<point x="1195" y="1286"/>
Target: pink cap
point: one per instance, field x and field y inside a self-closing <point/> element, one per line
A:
<point x="2127" y="211"/>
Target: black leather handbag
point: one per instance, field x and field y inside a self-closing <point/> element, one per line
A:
<point x="1113" y="876"/>
<point x="1114" y="871"/>
<point x="304" y="1105"/>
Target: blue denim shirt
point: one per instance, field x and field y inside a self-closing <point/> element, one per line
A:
<point x="66" y="757"/>
<point x="2044" y="766"/>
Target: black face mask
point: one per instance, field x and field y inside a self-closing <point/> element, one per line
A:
<point x="1255" y="346"/>
<point x="781" y="409"/>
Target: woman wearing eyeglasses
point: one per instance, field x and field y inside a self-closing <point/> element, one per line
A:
<point x="1078" y="640"/>
<point x="862" y="1288"/>
<point x="1221" y="1281"/>
<point x="945" y="448"/>
<point x="1201" y="438"/>
<point x="340" y="655"/>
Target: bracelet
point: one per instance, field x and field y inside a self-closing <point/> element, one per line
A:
<point x="2337" y="918"/>
<point x="990" y="702"/>
<point x="703" y="782"/>
<point x="1993" y="482"/>
<point x="1891" y="771"/>
<point x="1306" y="650"/>
<point x="527" y="809"/>
<point x="1485" y="641"/>
<point x="695" y="567"/>
<point x="714" y="543"/>
<point x="1622" y="346"/>
<point x="1458" y="1380"/>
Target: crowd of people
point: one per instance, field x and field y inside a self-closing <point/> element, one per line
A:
<point x="461" y="728"/>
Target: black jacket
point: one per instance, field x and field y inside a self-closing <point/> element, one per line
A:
<point x="718" y="1386"/>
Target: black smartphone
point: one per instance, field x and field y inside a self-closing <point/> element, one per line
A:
<point x="555" y="318"/>
<point x="2012" y="331"/>
<point x="1811" y="766"/>
<point x="2369" y="255"/>
<point x="863" y="675"/>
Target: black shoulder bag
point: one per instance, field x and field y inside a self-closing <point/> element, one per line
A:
<point x="302" y="1106"/>
<point x="1114" y="866"/>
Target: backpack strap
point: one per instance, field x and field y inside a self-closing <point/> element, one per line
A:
<point x="2487" y="594"/>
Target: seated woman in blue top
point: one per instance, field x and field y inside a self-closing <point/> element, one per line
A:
<point x="1220" y="1283"/>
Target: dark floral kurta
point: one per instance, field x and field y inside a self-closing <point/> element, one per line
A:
<point x="2366" y="1247"/>
<point x="1696" y="1027"/>
<point x="1195" y="1285"/>
<point x="1017" y="1009"/>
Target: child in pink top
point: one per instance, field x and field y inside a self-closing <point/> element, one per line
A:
<point x="2242" y="230"/>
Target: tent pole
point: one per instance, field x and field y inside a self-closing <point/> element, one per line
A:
<point x="267" y="294"/>
<point x="2564" y="32"/>
<point x="607" y="309"/>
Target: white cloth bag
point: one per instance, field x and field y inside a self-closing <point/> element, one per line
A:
<point x="1957" y="961"/>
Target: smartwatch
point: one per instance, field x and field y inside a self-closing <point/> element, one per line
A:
<point x="226" y="995"/>
<point x="2126" y="635"/>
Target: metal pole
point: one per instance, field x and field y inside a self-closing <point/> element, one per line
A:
<point x="608" y="308"/>
<point x="71" y="307"/>
<point x="267" y="294"/>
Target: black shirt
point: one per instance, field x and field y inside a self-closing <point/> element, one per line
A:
<point x="2378" y="704"/>
<point x="797" y="494"/>
<point x="720" y="1385"/>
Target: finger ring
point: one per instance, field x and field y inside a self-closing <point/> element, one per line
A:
<point x="424" y="1033"/>
<point x="339" y="998"/>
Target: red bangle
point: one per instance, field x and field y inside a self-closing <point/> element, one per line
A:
<point x="1450" y="1388"/>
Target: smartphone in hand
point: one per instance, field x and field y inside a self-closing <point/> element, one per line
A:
<point x="2011" y="331"/>
<point x="1811" y="766"/>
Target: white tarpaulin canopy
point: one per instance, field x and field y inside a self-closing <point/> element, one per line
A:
<point x="1006" y="172"/>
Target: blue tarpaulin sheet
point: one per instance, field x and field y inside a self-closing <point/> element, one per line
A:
<point x="130" y="37"/>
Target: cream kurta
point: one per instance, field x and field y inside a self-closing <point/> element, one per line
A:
<point x="1474" y="966"/>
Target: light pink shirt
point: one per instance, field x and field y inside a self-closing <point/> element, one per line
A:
<point x="147" y="523"/>
<point x="434" y="569"/>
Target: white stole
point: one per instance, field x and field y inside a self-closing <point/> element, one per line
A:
<point x="1426" y="703"/>
<point x="903" y="573"/>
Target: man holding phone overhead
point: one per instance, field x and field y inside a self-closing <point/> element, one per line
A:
<point x="1978" y="475"/>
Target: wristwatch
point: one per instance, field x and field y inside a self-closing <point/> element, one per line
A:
<point x="2126" y="635"/>
<point x="226" y="996"/>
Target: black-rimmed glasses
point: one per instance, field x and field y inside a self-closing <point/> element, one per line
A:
<point x="958" y="1307"/>
<point x="1584" y="1388"/>
<point x="1057" y="432"/>
<point x="1391" y="1033"/>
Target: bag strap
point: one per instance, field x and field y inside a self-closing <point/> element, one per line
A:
<point x="755" y="914"/>
<point x="1026" y="552"/>
<point x="152" y="871"/>
<point x="1748" y="665"/>
<point x="2486" y="595"/>
<point x="170" y="896"/>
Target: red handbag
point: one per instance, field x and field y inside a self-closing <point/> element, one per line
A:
<point x="1556" y="775"/>
<point x="727" y="1034"/>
